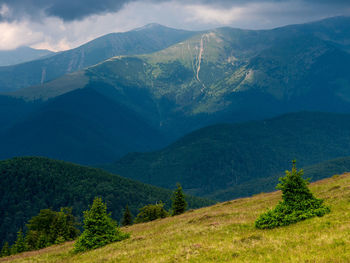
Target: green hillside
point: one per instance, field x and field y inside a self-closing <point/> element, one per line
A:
<point x="29" y="184"/>
<point x="148" y="39"/>
<point x="240" y="156"/>
<point x="225" y="232"/>
<point x="225" y="74"/>
<point x="81" y="126"/>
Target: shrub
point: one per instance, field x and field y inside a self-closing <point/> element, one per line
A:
<point x="151" y="212"/>
<point x="297" y="204"/>
<point x="99" y="228"/>
<point x="51" y="227"/>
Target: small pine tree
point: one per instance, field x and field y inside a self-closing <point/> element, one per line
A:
<point x="179" y="203"/>
<point x="297" y="204"/>
<point x="5" y="251"/>
<point x="99" y="228"/>
<point x="20" y="244"/>
<point x="127" y="217"/>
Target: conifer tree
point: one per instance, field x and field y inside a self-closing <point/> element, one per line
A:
<point x="99" y="228"/>
<point x="5" y="251"/>
<point x="127" y="217"/>
<point x="179" y="203"/>
<point x="298" y="203"/>
<point x="20" y="244"/>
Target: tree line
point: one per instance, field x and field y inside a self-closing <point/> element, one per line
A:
<point x="55" y="227"/>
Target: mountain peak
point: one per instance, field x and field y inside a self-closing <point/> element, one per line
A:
<point x="150" y="26"/>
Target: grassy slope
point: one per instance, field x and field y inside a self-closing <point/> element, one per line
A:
<point x="225" y="233"/>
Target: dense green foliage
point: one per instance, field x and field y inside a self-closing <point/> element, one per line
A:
<point x="298" y="203"/>
<point x="179" y="203"/>
<point x="51" y="227"/>
<point x="127" y="217"/>
<point x="240" y="157"/>
<point x="30" y="184"/>
<point x="151" y="212"/>
<point x="99" y="228"/>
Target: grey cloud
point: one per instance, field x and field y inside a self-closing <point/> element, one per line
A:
<point x="69" y="10"/>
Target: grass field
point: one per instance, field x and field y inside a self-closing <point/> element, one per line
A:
<point x="225" y="233"/>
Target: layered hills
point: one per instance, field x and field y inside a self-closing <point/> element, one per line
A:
<point x="195" y="79"/>
<point x="226" y="161"/>
<point x="29" y="184"/>
<point x="225" y="232"/>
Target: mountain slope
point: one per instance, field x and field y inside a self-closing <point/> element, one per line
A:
<point x="221" y="75"/>
<point x="144" y="40"/>
<point x="82" y="126"/>
<point x="226" y="75"/>
<point x="313" y="172"/>
<point x="225" y="233"/>
<point x="223" y="156"/>
<point x="29" y="184"/>
<point x="21" y="55"/>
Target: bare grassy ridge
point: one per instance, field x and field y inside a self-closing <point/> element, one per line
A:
<point x="225" y="233"/>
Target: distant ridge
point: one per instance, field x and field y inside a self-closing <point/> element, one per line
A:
<point x="241" y="157"/>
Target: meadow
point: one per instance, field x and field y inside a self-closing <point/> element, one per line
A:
<point x="225" y="232"/>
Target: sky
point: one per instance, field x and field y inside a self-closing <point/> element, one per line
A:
<point x="64" y="24"/>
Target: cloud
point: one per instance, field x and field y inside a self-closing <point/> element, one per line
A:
<point x="67" y="10"/>
<point x="70" y="10"/>
<point x="48" y="24"/>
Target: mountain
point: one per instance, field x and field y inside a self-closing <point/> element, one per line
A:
<point x="29" y="184"/>
<point x="234" y="157"/>
<point x="225" y="232"/>
<point x="225" y="75"/>
<point x="82" y="126"/>
<point x="217" y="76"/>
<point x="144" y="40"/>
<point x="21" y="55"/>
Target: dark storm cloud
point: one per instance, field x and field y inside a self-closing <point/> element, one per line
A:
<point x="69" y="10"/>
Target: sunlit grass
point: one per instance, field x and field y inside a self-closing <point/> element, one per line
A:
<point x="225" y="233"/>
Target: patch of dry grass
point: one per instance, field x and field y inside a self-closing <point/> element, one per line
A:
<point x="225" y="233"/>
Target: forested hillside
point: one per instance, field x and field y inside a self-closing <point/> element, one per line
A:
<point x="29" y="184"/>
<point x="230" y="156"/>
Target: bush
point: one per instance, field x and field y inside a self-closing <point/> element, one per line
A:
<point x="51" y="227"/>
<point x="151" y="212"/>
<point x="99" y="228"/>
<point x="297" y="203"/>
